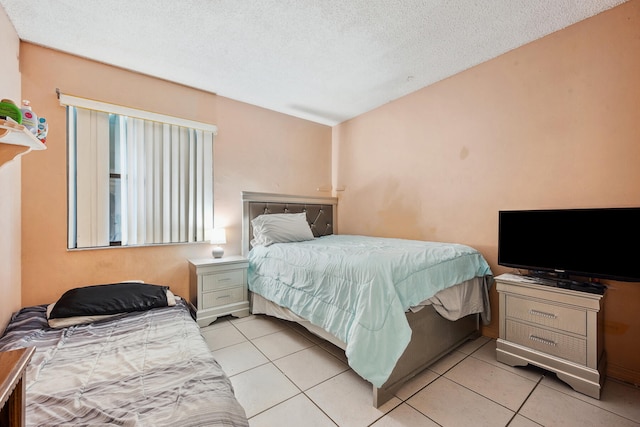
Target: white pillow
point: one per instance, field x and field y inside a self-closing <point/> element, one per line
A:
<point x="280" y="228"/>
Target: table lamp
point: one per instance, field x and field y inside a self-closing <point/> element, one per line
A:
<point x="218" y="237"/>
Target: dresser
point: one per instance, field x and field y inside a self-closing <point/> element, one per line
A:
<point x="557" y="329"/>
<point x="218" y="287"/>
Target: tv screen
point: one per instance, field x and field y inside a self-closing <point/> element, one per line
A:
<point x="600" y="243"/>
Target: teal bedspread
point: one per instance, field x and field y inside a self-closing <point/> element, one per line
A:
<point x="358" y="288"/>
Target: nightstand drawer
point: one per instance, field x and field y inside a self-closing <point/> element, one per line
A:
<point x="223" y="297"/>
<point x="549" y="342"/>
<point x="549" y="315"/>
<point x="228" y="279"/>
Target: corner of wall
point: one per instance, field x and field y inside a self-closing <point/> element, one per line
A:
<point x="10" y="183"/>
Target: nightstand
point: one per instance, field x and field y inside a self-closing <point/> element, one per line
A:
<point x="560" y="330"/>
<point x="218" y="287"/>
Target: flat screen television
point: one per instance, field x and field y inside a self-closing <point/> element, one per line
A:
<point x="594" y="243"/>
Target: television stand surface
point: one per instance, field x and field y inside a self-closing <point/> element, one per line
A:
<point x="556" y="328"/>
<point x="560" y="282"/>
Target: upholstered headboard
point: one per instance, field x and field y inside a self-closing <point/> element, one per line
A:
<point x="321" y="212"/>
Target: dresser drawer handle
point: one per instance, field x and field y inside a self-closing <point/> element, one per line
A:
<point x="542" y="340"/>
<point x="542" y="314"/>
<point x="223" y="296"/>
<point x="224" y="279"/>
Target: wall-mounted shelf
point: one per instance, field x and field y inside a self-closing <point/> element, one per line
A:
<point x="16" y="140"/>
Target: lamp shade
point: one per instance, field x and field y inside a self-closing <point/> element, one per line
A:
<point x="218" y="236"/>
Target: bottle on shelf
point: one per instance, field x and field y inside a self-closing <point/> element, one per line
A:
<point x="29" y="118"/>
<point x="43" y="127"/>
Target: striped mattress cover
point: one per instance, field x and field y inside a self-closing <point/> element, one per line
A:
<point x="150" y="368"/>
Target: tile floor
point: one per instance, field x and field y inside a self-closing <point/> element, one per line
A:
<point x="285" y="376"/>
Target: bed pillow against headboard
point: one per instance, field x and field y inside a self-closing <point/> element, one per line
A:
<point x="280" y="228"/>
<point x="320" y="212"/>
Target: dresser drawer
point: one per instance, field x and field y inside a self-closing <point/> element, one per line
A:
<point x="227" y="279"/>
<point x="549" y="342"/>
<point x="549" y="315"/>
<point x="222" y="297"/>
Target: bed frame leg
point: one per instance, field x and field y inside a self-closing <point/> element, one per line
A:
<point x="380" y="396"/>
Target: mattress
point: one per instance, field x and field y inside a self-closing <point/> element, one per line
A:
<point x="358" y="288"/>
<point x="138" y="369"/>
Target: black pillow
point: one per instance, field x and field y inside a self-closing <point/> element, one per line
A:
<point x="109" y="299"/>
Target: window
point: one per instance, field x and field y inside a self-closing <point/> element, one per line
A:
<point x="136" y="178"/>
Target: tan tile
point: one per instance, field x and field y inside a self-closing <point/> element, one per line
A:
<point x="471" y="346"/>
<point x="222" y="336"/>
<point x="404" y="416"/>
<point x="447" y="362"/>
<point x="520" y="421"/>
<point x="548" y="407"/>
<point x="347" y="400"/>
<point x="259" y="326"/>
<point x="262" y="388"/>
<point x="620" y="398"/>
<point x="282" y="343"/>
<point x="497" y="384"/>
<point x="295" y="412"/>
<point x="617" y="397"/>
<point x="311" y="366"/>
<point x="487" y="353"/>
<point x="239" y="358"/>
<point x="416" y="384"/>
<point x="220" y="322"/>
<point x="270" y="398"/>
<point x="236" y="320"/>
<point x="450" y="404"/>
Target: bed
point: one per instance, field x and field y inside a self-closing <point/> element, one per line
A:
<point x="379" y="302"/>
<point x="137" y="368"/>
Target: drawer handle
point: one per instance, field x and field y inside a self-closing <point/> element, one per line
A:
<point x="224" y="279"/>
<point x="542" y="314"/>
<point x="542" y="340"/>
<point x="224" y="296"/>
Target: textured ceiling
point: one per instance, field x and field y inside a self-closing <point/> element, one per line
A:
<point x="321" y="60"/>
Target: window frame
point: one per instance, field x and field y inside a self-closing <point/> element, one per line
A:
<point x="199" y="128"/>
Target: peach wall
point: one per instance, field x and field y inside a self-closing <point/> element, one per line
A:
<point x="9" y="181"/>
<point x="255" y="150"/>
<point x="553" y="124"/>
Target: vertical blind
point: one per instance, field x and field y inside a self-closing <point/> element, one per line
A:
<point x="136" y="181"/>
